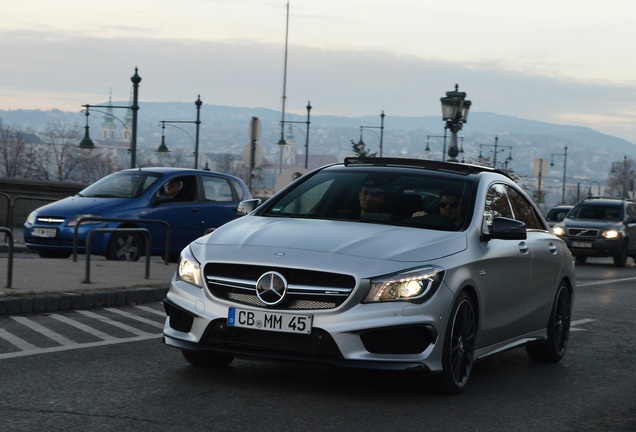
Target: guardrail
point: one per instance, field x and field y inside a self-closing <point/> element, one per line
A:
<point x="9" y="236"/>
<point x="148" y="240"/>
<point x="166" y="258"/>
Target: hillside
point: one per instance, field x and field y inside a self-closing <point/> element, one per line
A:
<point x="225" y="130"/>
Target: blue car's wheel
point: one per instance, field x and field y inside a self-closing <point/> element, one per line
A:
<point x="125" y="247"/>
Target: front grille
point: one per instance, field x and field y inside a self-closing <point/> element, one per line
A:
<point x="318" y="344"/>
<point x="307" y="289"/>
<point x="51" y="221"/>
<point x="582" y="232"/>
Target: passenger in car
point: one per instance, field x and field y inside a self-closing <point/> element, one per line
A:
<point x="449" y="206"/>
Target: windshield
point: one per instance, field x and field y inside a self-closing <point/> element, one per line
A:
<point x="126" y="184"/>
<point x="597" y="212"/>
<point x="376" y="197"/>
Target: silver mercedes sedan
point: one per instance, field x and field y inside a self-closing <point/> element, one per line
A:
<point x="383" y="263"/>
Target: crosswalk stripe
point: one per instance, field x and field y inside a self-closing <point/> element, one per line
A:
<point x="135" y="317"/>
<point x="43" y="330"/>
<point x="84" y="327"/>
<point x="115" y="323"/>
<point x="16" y="341"/>
<point x="151" y="310"/>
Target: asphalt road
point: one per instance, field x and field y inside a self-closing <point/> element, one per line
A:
<point x="134" y="382"/>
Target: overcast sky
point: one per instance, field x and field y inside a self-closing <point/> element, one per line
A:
<point x="568" y="61"/>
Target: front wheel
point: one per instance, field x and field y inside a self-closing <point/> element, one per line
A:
<point x="207" y="358"/>
<point x="580" y="258"/>
<point x="553" y="349"/>
<point x="124" y="247"/>
<point x="620" y="259"/>
<point x="459" y="346"/>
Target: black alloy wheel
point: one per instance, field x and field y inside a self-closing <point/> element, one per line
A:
<point x="553" y="349"/>
<point x="459" y="346"/>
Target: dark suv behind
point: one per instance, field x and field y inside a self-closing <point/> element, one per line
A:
<point x="600" y="227"/>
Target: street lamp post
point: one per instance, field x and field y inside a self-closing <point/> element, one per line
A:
<point x="381" y="127"/>
<point x="455" y="109"/>
<point x="163" y="148"/>
<point x="282" y="141"/>
<point x="565" y="164"/>
<point x="496" y="145"/>
<point x="428" y="149"/>
<point x="87" y="143"/>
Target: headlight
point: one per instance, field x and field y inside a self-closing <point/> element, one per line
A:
<point x="415" y="286"/>
<point x="75" y="218"/>
<point x="32" y="216"/>
<point x="558" y="230"/>
<point x="189" y="268"/>
<point x="611" y="234"/>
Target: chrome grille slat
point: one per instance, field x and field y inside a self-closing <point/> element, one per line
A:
<point x="225" y="281"/>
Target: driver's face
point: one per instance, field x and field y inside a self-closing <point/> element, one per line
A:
<point x="370" y="199"/>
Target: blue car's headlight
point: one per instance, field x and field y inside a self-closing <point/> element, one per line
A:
<point x="189" y="268"/>
<point x="32" y="217"/>
<point x="414" y="285"/>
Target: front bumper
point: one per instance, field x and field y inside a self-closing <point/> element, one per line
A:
<point x="595" y="247"/>
<point x="396" y="336"/>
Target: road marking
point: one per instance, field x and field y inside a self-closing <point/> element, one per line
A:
<point x="44" y="331"/>
<point x="25" y="348"/>
<point x="84" y="327"/>
<point x="16" y="341"/>
<point x="573" y="324"/>
<point x="604" y="282"/>
<point x="122" y="326"/>
<point x="151" y="310"/>
<point x="135" y="317"/>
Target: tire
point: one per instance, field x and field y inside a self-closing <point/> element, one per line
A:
<point x="620" y="260"/>
<point x="125" y="247"/>
<point x="207" y="358"/>
<point x="459" y="347"/>
<point x="553" y="349"/>
<point x="53" y="254"/>
<point x="580" y="259"/>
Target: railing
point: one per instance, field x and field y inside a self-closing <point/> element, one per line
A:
<point x="144" y="231"/>
<point x="9" y="236"/>
<point x="166" y="258"/>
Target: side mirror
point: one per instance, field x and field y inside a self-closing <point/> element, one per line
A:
<point x="247" y="206"/>
<point x="506" y="229"/>
<point x="561" y="216"/>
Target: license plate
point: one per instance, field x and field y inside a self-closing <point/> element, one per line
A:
<point x="44" y="232"/>
<point x="272" y="321"/>
<point x="582" y="244"/>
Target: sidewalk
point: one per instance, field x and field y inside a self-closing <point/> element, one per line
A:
<point x="46" y="285"/>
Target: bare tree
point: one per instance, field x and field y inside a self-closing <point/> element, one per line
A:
<point x="620" y="178"/>
<point x="14" y="161"/>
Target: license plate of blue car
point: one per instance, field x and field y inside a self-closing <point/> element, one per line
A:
<point x="44" y="232"/>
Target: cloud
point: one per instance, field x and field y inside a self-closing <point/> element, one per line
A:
<point x="63" y="70"/>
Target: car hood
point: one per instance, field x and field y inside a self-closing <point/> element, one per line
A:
<point x="336" y="238"/>
<point x="591" y="223"/>
<point x="71" y="206"/>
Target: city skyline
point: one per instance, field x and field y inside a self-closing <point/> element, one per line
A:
<point x="563" y="63"/>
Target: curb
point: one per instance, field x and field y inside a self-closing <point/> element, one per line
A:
<point x="16" y="305"/>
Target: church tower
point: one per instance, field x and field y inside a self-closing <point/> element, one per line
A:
<point x="109" y="128"/>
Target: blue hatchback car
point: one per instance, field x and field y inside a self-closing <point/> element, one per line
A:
<point x="192" y="202"/>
